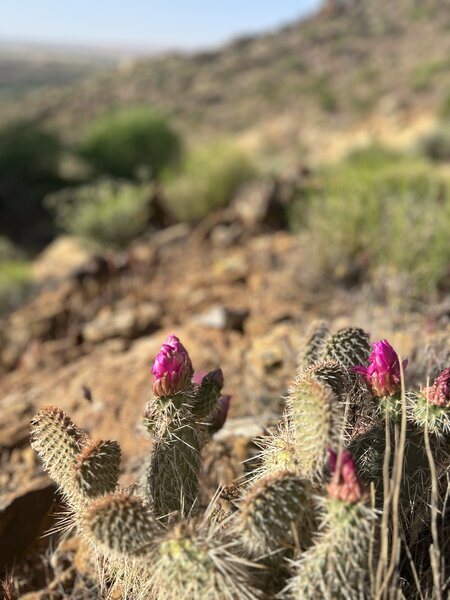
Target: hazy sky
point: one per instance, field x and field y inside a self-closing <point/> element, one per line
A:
<point x="143" y="23"/>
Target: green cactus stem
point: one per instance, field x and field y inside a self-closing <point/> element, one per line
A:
<point x="349" y="347"/>
<point x="316" y="417"/>
<point x="276" y="514"/>
<point x="194" y="561"/>
<point x="97" y="470"/>
<point x="58" y="441"/>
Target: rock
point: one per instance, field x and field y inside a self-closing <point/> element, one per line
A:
<point x="220" y="317"/>
<point x="59" y="258"/>
<point x="247" y="427"/>
<point x="127" y="323"/>
<point x="231" y="269"/>
<point x="225" y="236"/>
<point x="22" y="515"/>
<point x="225" y="458"/>
<point x="270" y="365"/>
<point x="170" y="235"/>
<point x="15" y="414"/>
<point x="258" y="204"/>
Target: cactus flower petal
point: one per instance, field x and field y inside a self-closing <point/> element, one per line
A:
<point x="439" y="393"/>
<point x="345" y="484"/>
<point x="172" y="369"/>
<point x="383" y="373"/>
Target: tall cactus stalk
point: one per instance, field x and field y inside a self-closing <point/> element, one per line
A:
<point x="336" y="567"/>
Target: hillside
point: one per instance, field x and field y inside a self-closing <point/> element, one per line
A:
<point x="25" y="68"/>
<point x="332" y="71"/>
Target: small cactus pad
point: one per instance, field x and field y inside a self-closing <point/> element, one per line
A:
<point x="316" y="418"/>
<point x="97" y="469"/>
<point x="58" y="441"/>
<point x="121" y="524"/>
<point x="276" y="513"/>
<point x="194" y="562"/>
<point x="349" y="347"/>
<point x="314" y="346"/>
<point x="208" y="393"/>
<point x="277" y="453"/>
<point x="333" y="374"/>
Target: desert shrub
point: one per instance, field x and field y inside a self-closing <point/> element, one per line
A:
<point x="7" y="249"/>
<point x="436" y="145"/>
<point x="108" y="211"/>
<point x="122" y="142"/>
<point x="320" y="88"/>
<point x="445" y="107"/>
<point x="370" y="215"/>
<point x="372" y="157"/>
<point x="426" y="74"/>
<point x="208" y="178"/>
<point x="28" y="152"/>
<point x="15" y="275"/>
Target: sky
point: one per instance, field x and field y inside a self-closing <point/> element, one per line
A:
<point x="144" y="24"/>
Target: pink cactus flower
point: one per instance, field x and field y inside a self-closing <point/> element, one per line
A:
<point x="383" y="373"/>
<point x="172" y="369"/>
<point x="345" y="484"/>
<point x="439" y="393"/>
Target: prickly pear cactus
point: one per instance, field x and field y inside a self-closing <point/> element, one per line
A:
<point x="303" y="526"/>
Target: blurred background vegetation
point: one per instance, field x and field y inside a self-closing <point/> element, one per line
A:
<point x="90" y="153"/>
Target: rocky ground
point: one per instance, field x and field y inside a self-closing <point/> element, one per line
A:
<point x="238" y="292"/>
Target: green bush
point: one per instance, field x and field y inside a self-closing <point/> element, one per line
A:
<point x="445" y="107"/>
<point x="366" y="216"/>
<point x="15" y="275"/>
<point x="208" y="178"/>
<point x="7" y="249"/>
<point x="436" y="145"/>
<point x="123" y="142"/>
<point x="27" y="152"/>
<point x="109" y="212"/>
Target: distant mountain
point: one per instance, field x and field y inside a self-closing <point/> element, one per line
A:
<point x="25" y="67"/>
<point x="351" y="60"/>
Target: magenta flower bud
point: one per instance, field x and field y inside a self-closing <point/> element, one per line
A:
<point x="383" y="373"/>
<point x="439" y="393"/>
<point x="214" y="378"/>
<point x="220" y="416"/>
<point x="172" y="369"/>
<point x="345" y="484"/>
